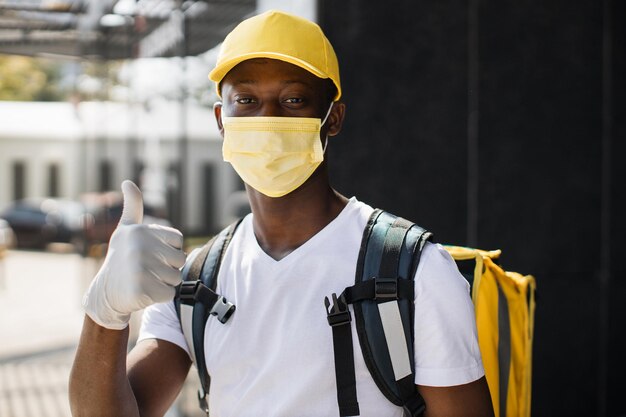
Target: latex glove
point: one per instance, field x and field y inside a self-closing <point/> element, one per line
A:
<point x="142" y="266"/>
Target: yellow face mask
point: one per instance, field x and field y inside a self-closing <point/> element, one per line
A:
<point x="273" y="155"/>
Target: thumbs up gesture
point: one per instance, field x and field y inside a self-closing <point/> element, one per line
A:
<point x="142" y="266"/>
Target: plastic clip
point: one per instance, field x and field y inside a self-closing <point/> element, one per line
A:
<point x="385" y="289"/>
<point x="187" y="292"/>
<point x="339" y="313"/>
<point x="222" y="309"/>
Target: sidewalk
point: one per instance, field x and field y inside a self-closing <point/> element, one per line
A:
<point x="40" y="297"/>
<point x="40" y="322"/>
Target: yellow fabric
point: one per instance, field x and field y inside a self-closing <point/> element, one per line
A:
<point x="274" y="155"/>
<point x="519" y="291"/>
<point x="282" y="36"/>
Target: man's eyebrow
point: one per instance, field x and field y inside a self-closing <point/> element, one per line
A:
<point x="301" y="82"/>
<point x="287" y="82"/>
<point x="294" y="82"/>
<point x="238" y="82"/>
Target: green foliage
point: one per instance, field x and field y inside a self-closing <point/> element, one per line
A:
<point x="29" y="79"/>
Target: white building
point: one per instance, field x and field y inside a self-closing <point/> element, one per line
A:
<point x="59" y="149"/>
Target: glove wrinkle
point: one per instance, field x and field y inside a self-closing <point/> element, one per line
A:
<point x="141" y="267"/>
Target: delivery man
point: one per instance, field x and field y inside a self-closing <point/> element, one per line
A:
<point x="278" y="78"/>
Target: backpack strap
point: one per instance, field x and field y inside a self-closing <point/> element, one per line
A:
<point x="383" y="301"/>
<point x="196" y="300"/>
<point x="339" y="319"/>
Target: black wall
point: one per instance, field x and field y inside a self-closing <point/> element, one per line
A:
<point x="551" y="133"/>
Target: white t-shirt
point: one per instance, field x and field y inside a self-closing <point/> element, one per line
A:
<point x="274" y="357"/>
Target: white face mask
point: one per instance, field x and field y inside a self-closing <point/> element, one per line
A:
<point x="274" y="155"/>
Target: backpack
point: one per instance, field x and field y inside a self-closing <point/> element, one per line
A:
<point x="382" y="299"/>
<point x="504" y="303"/>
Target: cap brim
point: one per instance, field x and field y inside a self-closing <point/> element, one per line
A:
<point x="219" y="72"/>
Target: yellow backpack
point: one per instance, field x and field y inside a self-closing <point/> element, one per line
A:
<point x="505" y="308"/>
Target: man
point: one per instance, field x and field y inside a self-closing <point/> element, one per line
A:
<point x="278" y="78"/>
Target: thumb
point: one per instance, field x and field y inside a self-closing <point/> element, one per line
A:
<point x="133" y="204"/>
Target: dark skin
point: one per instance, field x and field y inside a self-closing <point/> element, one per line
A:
<point x="252" y="88"/>
<point x="266" y="87"/>
<point x="104" y="382"/>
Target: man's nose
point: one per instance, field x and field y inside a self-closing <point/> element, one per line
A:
<point x="271" y="109"/>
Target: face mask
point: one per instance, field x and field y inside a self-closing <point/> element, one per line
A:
<point x="274" y="155"/>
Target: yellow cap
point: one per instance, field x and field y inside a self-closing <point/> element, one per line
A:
<point x="283" y="36"/>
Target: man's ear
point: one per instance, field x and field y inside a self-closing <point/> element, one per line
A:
<point x="335" y="118"/>
<point x="217" y="111"/>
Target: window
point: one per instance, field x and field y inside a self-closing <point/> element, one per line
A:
<point x="208" y="197"/>
<point x="138" y="167"/>
<point x="19" y="180"/>
<point x="174" y="205"/>
<point x="105" y="176"/>
<point x="53" y="180"/>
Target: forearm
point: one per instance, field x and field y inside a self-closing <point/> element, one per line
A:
<point x="468" y="400"/>
<point x="98" y="382"/>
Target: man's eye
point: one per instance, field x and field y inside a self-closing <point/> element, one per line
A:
<point x="244" y="100"/>
<point x="294" y="100"/>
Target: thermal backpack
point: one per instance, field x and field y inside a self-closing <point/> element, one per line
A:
<point x="504" y="303"/>
<point x="383" y="303"/>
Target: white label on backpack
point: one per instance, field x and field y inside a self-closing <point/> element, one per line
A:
<point x="186" y="321"/>
<point x="396" y="340"/>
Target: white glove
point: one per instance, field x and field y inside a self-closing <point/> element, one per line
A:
<point x="142" y="266"/>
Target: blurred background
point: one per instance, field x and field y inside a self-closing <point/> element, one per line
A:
<point x="498" y="125"/>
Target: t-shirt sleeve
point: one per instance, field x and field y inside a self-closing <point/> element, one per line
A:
<point x="160" y="321"/>
<point x="446" y="343"/>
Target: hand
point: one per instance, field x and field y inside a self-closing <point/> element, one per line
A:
<point x="142" y="266"/>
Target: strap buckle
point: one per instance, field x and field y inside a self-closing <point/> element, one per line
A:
<point x="339" y="313"/>
<point x="187" y="292"/>
<point x="222" y="309"/>
<point x="204" y="404"/>
<point x="192" y="291"/>
<point x="385" y="289"/>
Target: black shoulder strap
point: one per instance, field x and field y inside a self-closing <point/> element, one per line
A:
<point x="196" y="300"/>
<point x="382" y="297"/>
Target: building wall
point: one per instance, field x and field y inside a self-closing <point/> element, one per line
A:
<point x="549" y="109"/>
<point x="79" y="144"/>
<point x="38" y="155"/>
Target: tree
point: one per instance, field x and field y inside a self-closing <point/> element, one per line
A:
<point x="29" y="79"/>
